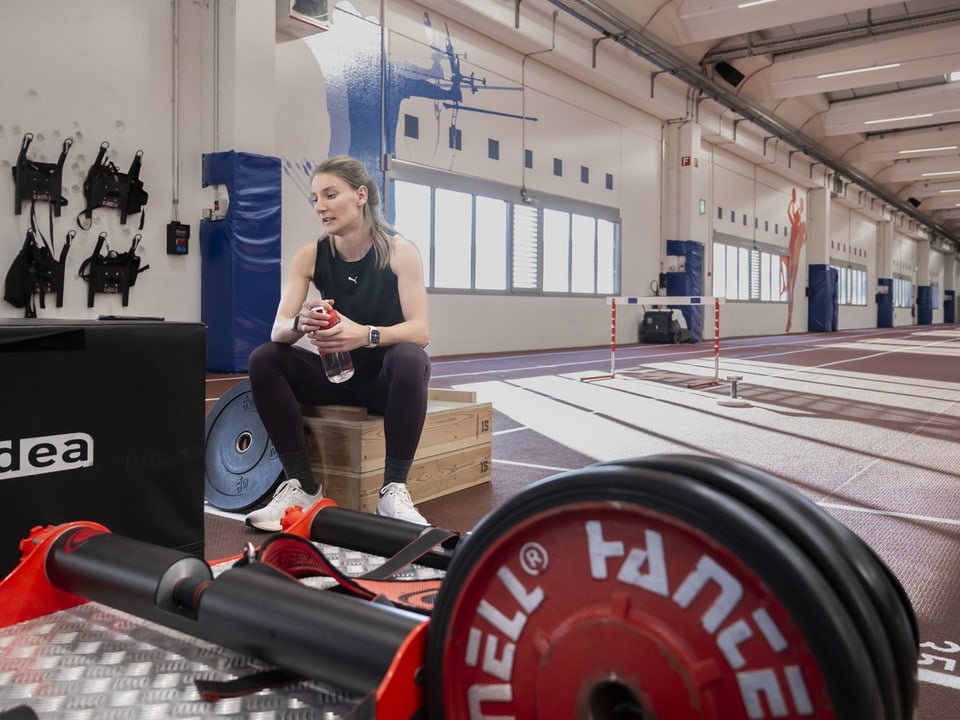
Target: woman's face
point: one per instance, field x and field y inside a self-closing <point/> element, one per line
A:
<point x="339" y="206"/>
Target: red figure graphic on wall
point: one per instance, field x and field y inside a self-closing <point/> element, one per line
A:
<point x="798" y="236"/>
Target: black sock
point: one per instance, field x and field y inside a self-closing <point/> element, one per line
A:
<point x="297" y="465"/>
<point x="395" y="470"/>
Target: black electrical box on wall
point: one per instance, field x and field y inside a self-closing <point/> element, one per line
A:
<point x="178" y="238"/>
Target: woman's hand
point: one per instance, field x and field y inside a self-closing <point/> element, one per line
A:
<point x="344" y="336"/>
<point x="314" y="316"/>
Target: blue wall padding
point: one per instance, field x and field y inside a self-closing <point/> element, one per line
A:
<point x="885" y="303"/>
<point x="823" y="305"/>
<point x="924" y="305"/>
<point x="949" y="306"/>
<point x="240" y="254"/>
<point x="689" y="282"/>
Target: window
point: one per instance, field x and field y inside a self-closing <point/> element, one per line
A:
<point x="411" y="126"/>
<point x="452" y="221"/>
<point x="743" y="270"/>
<point x="525" y="251"/>
<point x="851" y="284"/>
<point x="416" y="225"/>
<point x="483" y="236"/>
<point x="902" y="291"/>
<point x="491" y="251"/>
<point x="556" y="251"/>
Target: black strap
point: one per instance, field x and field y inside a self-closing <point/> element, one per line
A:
<point x="426" y="541"/>
<point x="21" y="712"/>
<point x="300" y="558"/>
<point x="84" y="271"/>
<point x="214" y="690"/>
<point x="36" y="228"/>
<point x="48" y="245"/>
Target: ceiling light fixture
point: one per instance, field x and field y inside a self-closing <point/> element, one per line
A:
<point x="942" y="172"/>
<point x="928" y="149"/>
<point x="950" y="191"/>
<point x="895" y="119"/>
<point x="858" y="70"/>
<point x="743" y="5"/>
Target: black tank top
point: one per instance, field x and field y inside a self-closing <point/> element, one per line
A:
<point x="364" y="293"/>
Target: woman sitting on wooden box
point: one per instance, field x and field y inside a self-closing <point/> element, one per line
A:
<point x="371" y="279"/>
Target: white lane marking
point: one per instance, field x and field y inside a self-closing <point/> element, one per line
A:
<point x="906" y="516"/>
<point x="571" y="426"/>
<point x="937" y="678"/>
<point x="208" y="508"/>
<point x="530" y="465"/>
<point x="511" y="430"/>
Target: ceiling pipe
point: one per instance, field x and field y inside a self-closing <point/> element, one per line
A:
<point x="655" y="53"/>
<point x="822" y="38"/>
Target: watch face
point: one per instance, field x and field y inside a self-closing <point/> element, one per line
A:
<point x="374" y="336"/>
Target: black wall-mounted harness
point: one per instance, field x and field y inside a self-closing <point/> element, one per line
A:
<point x="34" y="271"/>
<point x="113" y="272"/>
<point x="39" y="181"/>
<point x="106" y="186"/>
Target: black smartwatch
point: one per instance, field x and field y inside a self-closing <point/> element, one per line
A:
<point x="296" y="322"/>
<point x="373" y="336"/>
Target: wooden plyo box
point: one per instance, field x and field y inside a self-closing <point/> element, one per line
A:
<point x="347" y="449"/>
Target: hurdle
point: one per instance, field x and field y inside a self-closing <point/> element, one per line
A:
<point x="661" y="301"/>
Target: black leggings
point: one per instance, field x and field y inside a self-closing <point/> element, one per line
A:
<point x="284" y="376"/>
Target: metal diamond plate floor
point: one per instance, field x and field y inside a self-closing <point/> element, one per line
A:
<point x="92" y="662"/>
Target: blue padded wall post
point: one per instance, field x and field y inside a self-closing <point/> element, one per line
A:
<point x="688" y="282"/>
<point x="823" y="303"/>
<point x="949" y="306"/>
<point x="924" y="305"/>
<point x="240" y="258"/>
<point x="885" y="303"/>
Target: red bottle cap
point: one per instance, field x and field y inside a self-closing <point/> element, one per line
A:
<point x="332" y="317"/>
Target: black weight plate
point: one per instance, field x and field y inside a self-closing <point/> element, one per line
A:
<point x="241" y="465"/>
<point x="871" y="593"/>
<point x="886" y="591"/>
<point x="497" y="646"/>
<point x="890" y="598"/>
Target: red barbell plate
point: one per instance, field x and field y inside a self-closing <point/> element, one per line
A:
<point x="603" y="594"/>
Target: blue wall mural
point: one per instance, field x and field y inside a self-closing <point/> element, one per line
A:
<point x="444" y="81"/>
<point x="365" y="89"/>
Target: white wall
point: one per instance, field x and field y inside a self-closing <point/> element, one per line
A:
<point x="854" y="242"/>
<point x="750" y="202"/>
<point x="110" y="76"/>
<point x="905" y="259"/>
<point x="98" y="72"/>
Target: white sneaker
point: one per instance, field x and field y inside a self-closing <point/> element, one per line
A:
<point x="395" y="502"/>
<point x="287" y="494"/>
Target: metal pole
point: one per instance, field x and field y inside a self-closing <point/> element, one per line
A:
<point x="716" y="339"/>
<point x="613" y="335"/>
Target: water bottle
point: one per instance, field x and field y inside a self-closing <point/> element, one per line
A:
<point x="337" y="365"/>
